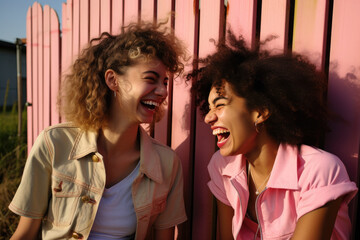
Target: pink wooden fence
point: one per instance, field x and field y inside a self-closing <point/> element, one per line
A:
<point x="327" y="31"/>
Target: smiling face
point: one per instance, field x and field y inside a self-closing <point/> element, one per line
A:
<point x="231" y="121"/>
<point x="141" y="91"/>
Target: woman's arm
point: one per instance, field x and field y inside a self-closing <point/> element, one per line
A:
<point x="28" y="228"/>
<point x="225" y="214"/>
<point x="166" y="234"/>
<point x="318" y="224"/>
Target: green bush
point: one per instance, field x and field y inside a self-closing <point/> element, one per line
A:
<point x="13" y="151"/>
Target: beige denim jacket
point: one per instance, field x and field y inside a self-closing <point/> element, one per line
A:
<point x="64" y="178"/>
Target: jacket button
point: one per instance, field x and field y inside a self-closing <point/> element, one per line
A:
<point x="95" y="158"/>
<point x="85" y="198"/>
<point x="77" y="235"/>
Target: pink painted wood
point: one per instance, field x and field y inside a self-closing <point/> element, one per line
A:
<point x="183" y="108"/>
<point x="162" y="128"/>
<point x="131" y="11"/>
<point x="47" y="59"/>
<point x="211" y="13"/>
<point x="55" y="65"/>
<point x="29" y="78"/>
<point x="76" y="29"/>
<point x="94" y="18"/>
<point x="40" y="69"/>
<point x="344" y="88"/>
<point x="192" y="139"/>
<point x="117" y="16"/>
<point x="274" y="21"/>
<point x="84" y="23"/>
<point x="36" y="15"/>
<point x="241" y="18"/>
<point x="309" y="36"/>
<point x="105" y="16"/>
<point x="148" y="9"/>
<point x="66" y="43"/>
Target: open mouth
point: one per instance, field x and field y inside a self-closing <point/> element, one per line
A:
<point x="151" y="105"/>
<point x="221" y="133"/>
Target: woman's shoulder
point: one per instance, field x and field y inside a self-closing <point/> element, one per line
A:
<point x="319" y="165"/>
<point x="312" y="157"/>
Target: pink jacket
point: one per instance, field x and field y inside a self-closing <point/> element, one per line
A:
<point x="299" y="183"/>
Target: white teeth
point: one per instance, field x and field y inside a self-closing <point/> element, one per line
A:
<point x="220" y="131"/>
<point x="156" y="104"/>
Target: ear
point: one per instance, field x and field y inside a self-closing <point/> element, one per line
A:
<point x="261" y="116"/>
<point x="111" y="79"/>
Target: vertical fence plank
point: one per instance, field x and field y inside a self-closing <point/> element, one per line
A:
<point x="29" y="78"/>
<point x="309" y="36"/>
<point x="344" y="89"/>
<point x="76" y="29"/>
<point x="131" y="11"/>
<point x="117" y="16"/>
<point x="66" y="43"/>
<point x="35" y="71"/>
<point x="105" y="16"/>
<point x="162" y="128"/>
<point x="147" y="9"/>
<point x="274" y="21"/>
<point x="182" y="107"/>
<point x="241" y="18"/>
<point x="211" y="13"/>
<point x="55" y="65"/>
<point x="84" y="23"/>
<point x="40" y="69"/>
<point x="47" y="79"/>
<point x="94" y="18"/>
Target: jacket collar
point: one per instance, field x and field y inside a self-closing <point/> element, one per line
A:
<point x="284" y="173"/>
<point x="85" y="143"/>
<point x="234" y="165"/>
<point x="149" y="158"/>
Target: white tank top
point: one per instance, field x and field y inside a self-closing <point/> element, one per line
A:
<point x="116" y="218"/>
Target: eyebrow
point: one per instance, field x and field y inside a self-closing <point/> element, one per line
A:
<point x="218" y="98"/>
<point x="155" y="73"/>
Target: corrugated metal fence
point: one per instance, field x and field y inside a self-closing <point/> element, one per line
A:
<point x="327" y="31"/>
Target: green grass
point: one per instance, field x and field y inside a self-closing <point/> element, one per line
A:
<point x="12" y="159"/>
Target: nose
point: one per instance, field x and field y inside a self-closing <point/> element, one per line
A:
<point x="161" y="90"/>
<point x="210" y="117"/>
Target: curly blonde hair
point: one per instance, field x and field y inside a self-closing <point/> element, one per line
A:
<point x="85" y="99"/>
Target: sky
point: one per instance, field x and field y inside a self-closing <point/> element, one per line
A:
<point x="13" y="16"/>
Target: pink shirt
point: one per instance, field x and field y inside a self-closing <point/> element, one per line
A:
<point x="299" y="183"/>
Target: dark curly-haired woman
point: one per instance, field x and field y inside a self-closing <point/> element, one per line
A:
<point x="267" y="112"/>
<point x="100" y="176"/>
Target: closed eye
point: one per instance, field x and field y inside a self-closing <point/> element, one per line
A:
<point x="220" y="105"/>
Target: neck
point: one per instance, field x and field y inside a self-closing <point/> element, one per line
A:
<point x="117" y="139"/>
<point x="263" y="155"/>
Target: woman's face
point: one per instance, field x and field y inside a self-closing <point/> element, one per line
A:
<point x="231" y="121"/>
<point x="142" y="90"/>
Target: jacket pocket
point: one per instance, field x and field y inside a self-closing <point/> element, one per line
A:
<point x="64" y="201"/>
